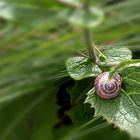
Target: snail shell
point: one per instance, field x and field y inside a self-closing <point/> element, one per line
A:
<point x="108" y="88"/>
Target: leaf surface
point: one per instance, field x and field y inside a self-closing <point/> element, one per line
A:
<point x="123" y="111"/>
<point x="89" y="18"/>
<point x="115" y="55"/>
<point x="81" y="67"/>
<point x="131" y="80"/>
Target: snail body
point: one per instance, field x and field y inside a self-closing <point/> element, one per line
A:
<point x="108" y="88"/>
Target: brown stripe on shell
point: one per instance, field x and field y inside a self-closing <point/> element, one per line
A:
<point x="101" y="83"/>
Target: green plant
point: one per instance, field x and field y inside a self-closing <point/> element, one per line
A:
<point x="38" y="99"/>
<point x="123" y="111"/>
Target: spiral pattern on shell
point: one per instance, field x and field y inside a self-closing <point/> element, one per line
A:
<point x="108" y="88"/>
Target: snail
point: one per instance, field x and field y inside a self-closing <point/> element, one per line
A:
<point x="108" y="88"/>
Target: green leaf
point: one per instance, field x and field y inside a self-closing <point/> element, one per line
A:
<point x="123" y="111"/>
<point x="113" y="56"/>
<point x="121" y="66"/>
<point x="33" y="3"/>
<point x="26" y="15"/>
<point x="27" y="117"/>
<point x="78" y="95"/>
<point x="81" y="67"/>
<point x="90" y="18"/>
<point x="87" y="127"/>
<point x="131" y="80"/>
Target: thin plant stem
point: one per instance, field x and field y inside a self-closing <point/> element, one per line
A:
<point x="88" y="36"/>
<point x="89" y="45"/>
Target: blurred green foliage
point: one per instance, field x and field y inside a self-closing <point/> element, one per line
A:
<point x="34" y="43"/>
